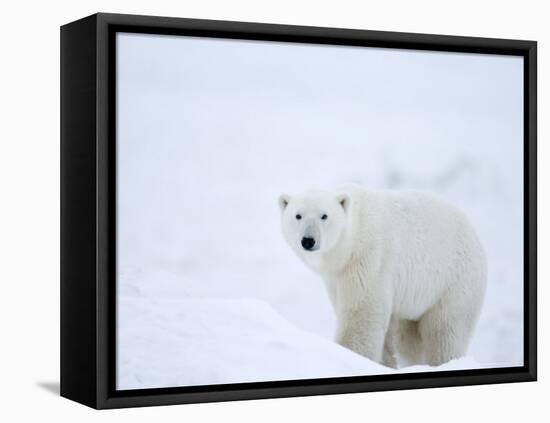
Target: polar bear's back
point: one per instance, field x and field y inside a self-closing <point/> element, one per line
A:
<point x="426" y="245"/>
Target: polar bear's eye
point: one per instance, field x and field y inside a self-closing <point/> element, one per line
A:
<point x="298" y="216"/>
<point x="324" y="217"/>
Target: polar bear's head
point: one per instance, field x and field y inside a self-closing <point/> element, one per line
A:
<point x="314" y="222"/>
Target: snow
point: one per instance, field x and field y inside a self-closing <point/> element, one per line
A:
<point x="211" y="132"/>
<point x="224" y="341"/>
<point x="230" y="341"/>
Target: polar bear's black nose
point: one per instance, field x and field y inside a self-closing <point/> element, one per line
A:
<point x="308" y="243"/>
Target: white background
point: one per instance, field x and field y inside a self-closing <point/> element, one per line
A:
<point x="30" y="208"/>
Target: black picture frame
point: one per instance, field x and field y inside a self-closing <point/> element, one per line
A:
<point x="88" y="194"/>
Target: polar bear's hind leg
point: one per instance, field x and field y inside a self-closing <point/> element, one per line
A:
<point x="445" y="330"/>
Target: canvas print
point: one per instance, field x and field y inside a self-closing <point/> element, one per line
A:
<point x="292" y="211"/>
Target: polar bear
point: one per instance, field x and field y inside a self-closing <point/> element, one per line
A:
<point x="405" y="271"/>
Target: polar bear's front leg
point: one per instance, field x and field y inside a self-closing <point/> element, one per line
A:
<point x="363" y="321"/>
<point x="364" y="333"/>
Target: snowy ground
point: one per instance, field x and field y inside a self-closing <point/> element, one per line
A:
<point x="224" y="341"/>
<point x="210" y="132"/>
<point x="230" y="341"/>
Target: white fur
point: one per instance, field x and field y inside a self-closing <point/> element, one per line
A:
<point x="405" y="271"/>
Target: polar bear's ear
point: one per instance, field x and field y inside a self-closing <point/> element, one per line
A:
<point x="343" y="199"/>
<point x="284" y="199"/>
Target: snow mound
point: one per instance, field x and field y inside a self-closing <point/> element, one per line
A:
<point x="169" y="343"/>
